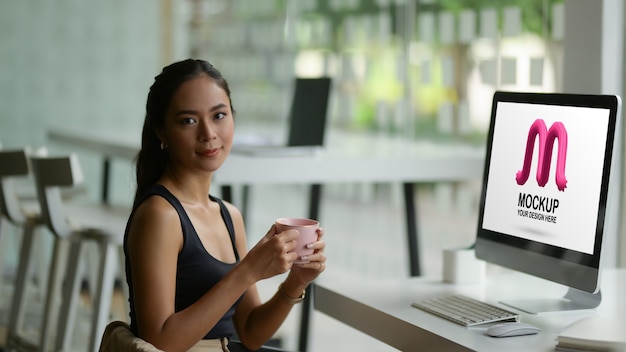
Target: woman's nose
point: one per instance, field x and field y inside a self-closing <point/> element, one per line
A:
<point x="207" y="132"/>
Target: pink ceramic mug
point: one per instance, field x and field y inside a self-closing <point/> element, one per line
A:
<point x="308" y="234"/>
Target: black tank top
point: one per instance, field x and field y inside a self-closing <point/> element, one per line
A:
<point x="197" y="271"/>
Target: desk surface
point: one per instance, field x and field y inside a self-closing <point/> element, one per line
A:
<point x="382" y="309"/>
<point x="347" y="158"/>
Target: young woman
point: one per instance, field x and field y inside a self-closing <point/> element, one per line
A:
<point x="189" y="271"/>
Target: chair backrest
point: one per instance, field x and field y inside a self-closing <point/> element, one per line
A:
<point x="13" y="164"/>
<point x="307" y="116"/>
<point x="52" y="173"/>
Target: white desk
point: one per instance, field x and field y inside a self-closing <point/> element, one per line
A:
<point x="348" y="158"/>
<point x="382" y="309"/>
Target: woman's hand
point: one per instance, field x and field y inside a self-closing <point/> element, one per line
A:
<point x="274" y="254"/>
<point x="305" y="273"/>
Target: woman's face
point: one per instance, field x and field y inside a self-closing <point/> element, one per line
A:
<point x="199" y="126"/>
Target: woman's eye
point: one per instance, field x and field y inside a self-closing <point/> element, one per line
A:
<point x="188" y="121"/>
<point x="220" y="115"/>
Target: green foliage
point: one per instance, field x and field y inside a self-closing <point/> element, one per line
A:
<point x="536" y="14"/>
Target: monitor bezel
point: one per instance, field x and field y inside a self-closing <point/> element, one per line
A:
<point x="574" y="269"/>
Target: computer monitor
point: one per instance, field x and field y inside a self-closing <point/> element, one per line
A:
<point x="544" y="193"/>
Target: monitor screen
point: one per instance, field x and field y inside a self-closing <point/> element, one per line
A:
<point x="545" y="185"/>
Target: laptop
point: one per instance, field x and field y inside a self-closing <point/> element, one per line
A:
<point x="307" y="122"/>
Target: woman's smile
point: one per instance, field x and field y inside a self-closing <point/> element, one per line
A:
<point x="209" y="153"/>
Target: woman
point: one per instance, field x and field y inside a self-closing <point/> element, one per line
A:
<point x="190" y="274"/>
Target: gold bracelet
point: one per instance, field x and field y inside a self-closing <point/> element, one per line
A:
<point x="283" y="294"/>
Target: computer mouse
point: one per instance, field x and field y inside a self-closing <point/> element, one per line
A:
<point x="512" y="329"/>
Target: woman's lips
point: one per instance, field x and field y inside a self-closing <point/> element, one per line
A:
<point x="210" y="152"/>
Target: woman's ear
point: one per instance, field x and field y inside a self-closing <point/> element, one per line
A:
<point x="161" y="136"/>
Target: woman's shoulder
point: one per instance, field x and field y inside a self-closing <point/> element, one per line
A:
<point x="155" y="202"/>
<point x="154" y="228"/>
<point x="231" y="207"/>
<point x="154" y="221"/>
<point x="234" y="212"/>
<point x="155" y="210"/>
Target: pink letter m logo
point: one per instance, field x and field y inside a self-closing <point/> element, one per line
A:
<point x="546" y="144"/>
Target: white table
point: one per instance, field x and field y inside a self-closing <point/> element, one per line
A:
<point x="382" y="309"/>
<point x="346" y="158"/>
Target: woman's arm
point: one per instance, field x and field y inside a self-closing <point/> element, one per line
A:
<point x="255" y="322"/>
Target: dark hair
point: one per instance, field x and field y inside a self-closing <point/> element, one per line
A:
<point x="151" y="160"/>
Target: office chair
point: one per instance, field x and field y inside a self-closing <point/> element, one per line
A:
<point x="118" y="337"/>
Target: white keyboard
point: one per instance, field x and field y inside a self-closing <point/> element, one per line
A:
<point x="465" y="311"/>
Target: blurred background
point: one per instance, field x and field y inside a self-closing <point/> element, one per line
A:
<point x="420" y="70"/>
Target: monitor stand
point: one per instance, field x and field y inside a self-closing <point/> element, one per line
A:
<point x="573" y="300"/>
